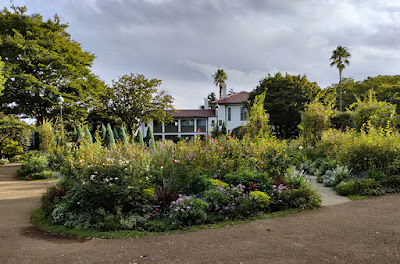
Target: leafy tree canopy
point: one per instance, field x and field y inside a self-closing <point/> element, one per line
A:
<point x="136" y="99"/>
<point x="285" y="96"/>
<point x="386" y="88"/>
<point x="41" y="63"/>
<point x="2" y="79"/>
<point x="12" y="128"/>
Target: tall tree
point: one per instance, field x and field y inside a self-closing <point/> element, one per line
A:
<point x="2" y="79"/>
<point x="285" y="97"/>
<point x="41" y="63"/>
<point x="340" y="58"/>
<point x="219" y="80"/>
<point x="136" y="99"/>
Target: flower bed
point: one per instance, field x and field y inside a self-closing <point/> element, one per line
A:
<point x="175" y="186"/>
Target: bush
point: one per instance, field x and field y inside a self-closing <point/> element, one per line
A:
<point x="365" y="187"/>
<point x="10" y="147"/>
<point x="187" y="211"/>
<point x="4" y="161"/>
<point x="17" y="159"/>
<point x="34" y="166"/>
<point x="251" y="180"/>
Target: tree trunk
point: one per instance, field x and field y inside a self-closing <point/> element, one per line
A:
<point x="340" y="90"/>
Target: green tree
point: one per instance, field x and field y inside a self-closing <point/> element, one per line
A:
<point x="88" y="135"/>
<point x="79" y="134"/>
<point x="219" y="80"/>
<point x="136" y="100"/>
<point x="41" y="63"/>
<point x="258" y="125"/>
<point x="340" y="58"/>
<point x="139" y="137"/>
<point x="2" y="79"/>
<point x="285" y="96"/>
<point x="12" y="128"/>
<point x="103" y="132"/>
<point x="46" y="136"/>
<point x="109" y="140"/>
<point x="315" y="119"/>
<point x="123" y="136"/>
<point x="372" y="111"/>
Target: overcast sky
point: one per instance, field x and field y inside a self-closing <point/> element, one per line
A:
<point x="183" y="42"/>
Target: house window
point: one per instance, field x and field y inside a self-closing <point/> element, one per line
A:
<point x="171" y="127"/>
<point x="212" y="122"/>
<point x="201" y="125"/>
<point x="229" y="114"/>
<point x="187" y="125"/>
<point x="243" y="114"/>
<point x="157" y="127"/>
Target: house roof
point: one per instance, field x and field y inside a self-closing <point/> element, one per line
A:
<point x="236" y="98"/>
<point x="193" y="113"/>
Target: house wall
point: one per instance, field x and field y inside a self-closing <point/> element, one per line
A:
<point x="235" y="121"/>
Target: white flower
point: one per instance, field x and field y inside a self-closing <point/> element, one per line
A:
<point x="301" y="147"/>
<point x="92" y="177"/>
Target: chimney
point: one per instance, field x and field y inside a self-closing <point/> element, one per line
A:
<point x="224" y="91"/>
<point x="206" y="105"/>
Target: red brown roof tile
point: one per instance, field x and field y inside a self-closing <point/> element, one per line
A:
<point x="237" y="98"/>
<point x="193" y="113"/>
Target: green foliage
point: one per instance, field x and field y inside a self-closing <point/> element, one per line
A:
<point x="2" y="79"/>
<point x="150" y="137"/>
<point x="315" y="119"/>
<point x="131" y="187"/>
<point x="258" y="125"/>
<point x="386" y="88"/>
<point x="364" y="187"/>
<point x="41" y="63"/>
<point x="12" y="128"/>
<point x="4" y="161"/>
<point x="219" y="80"/>
<point x="46" y="136"/>
<point x="139" y="138"/>
<point x="123" y="136"/>
<point x="10" y="148"/>
<point x="251" y="180"/>
<point x="136" y="99"/>
<point x="88" y="136"/>
<point x="109" y="140"/>
<point x="187" y="211"/>
<point x="340" y="58"/>
<point x="342" y="120"/>
<point x="34" y="166"/>
<point x="371" y="111"/>
<point x="285" y="97"/>
<point x="115" y="133"/>
<point x="103" y="132"/>
<point x="80" y="135"/>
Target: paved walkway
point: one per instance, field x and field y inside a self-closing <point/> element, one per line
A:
<point x="328" y="195"/>
<point x="366" y="231"/>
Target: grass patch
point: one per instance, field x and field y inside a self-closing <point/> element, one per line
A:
<point x="39" y="219"/>
<point x="358" y="197"/>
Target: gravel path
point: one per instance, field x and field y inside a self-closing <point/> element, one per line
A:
<point x="366" y="231"/>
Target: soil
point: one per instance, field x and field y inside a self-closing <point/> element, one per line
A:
<point x="365" y="231"/>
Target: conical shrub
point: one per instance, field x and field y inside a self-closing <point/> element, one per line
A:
<point x="109" y="140"/>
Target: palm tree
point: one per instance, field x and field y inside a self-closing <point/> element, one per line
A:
<point x="339" y="58"/>
<point x="219" y="80"/>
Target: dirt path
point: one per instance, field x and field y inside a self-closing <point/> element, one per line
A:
<point x="366" y="231"/>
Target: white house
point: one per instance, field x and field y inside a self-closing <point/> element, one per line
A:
<point x="189" y="123"/>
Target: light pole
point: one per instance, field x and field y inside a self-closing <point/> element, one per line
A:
<point x="60" y="101"/>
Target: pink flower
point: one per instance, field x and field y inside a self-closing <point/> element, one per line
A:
<point x="175" y="160"/>
<point x="245" y="147"/>
<point x="139" y="146"/>
<point x="229" y="131"/>
<point x="220" y="148"/>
